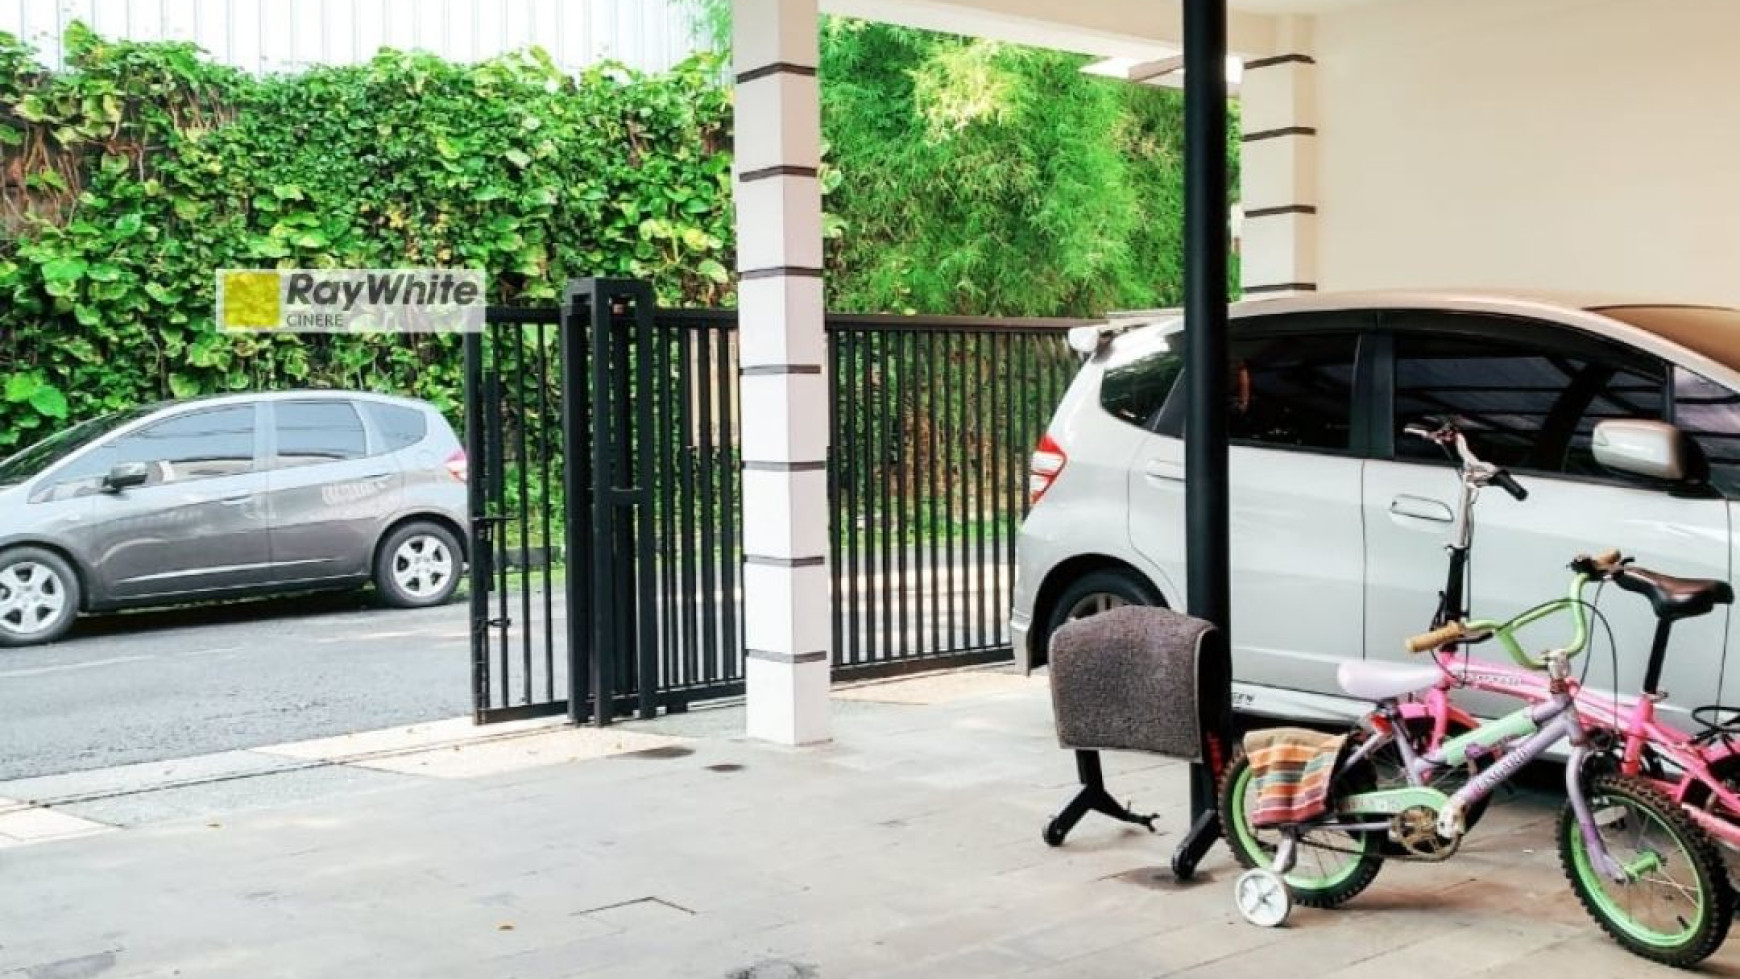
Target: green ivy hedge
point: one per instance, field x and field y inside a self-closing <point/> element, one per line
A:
<point x="129" y="177"/>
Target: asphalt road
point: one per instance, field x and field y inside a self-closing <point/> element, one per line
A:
<point x="146" y="686"/>
<point x="172" y="683"/>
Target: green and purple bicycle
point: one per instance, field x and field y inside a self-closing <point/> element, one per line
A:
<point x="1644" y="870"/>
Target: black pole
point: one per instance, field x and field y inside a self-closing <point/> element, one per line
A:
<point x="1205" y="318"/>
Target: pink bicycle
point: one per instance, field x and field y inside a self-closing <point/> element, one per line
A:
<point x="1700" y="772"/>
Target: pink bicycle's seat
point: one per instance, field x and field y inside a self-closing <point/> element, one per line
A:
<point x="1384" y="681"/>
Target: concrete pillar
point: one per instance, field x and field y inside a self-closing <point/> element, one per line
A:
<point x="1278" y="167"/>
<point x="787" y="596"/>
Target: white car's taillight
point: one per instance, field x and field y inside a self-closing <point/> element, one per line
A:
<point x="1048" y="461"/>
<point x="458" y="466"/>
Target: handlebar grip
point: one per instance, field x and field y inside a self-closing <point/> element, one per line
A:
<point x="1608" y="562"/>
<point x="1443" y="635"/>
<point x="1504" y="481"/>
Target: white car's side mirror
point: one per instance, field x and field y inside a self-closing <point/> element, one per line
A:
<point x="1643" y="448"/>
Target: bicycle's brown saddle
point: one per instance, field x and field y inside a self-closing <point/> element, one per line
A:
<point x="1675" y="598"/>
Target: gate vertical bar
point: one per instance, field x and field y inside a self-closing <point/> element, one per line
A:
<point x="605" y="587"/>
<point x="579" y="465"/>
<point x="730" y="544"/>
<point x="639" y="449"/>
<point x="521" y="420"/>
<point x="545" y="457"/>
<point x="479" y="544"/>
<point x="494" y="481"/>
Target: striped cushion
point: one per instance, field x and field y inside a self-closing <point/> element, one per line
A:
<point x="1291" y="768"/>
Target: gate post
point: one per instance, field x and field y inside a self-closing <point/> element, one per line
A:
<point x="481" y="545"/>
<point x="786" y="588"/>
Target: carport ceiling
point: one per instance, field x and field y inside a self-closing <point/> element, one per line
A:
<point x="1137" y="29"/>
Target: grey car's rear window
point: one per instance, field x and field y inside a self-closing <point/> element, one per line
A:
<point x="313" y="432"/>
<point x="399" y="427"/>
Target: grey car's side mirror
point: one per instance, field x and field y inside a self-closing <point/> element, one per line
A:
<point x="1645" y="448"/>
<point x="125" y="475"/>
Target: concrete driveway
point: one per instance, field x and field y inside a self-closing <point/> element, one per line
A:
<point x="909" y="848"/>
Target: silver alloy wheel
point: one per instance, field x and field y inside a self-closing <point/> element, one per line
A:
<point x="422" y="565"/>
<point x="1094" y="604"/>
<point x="32" y="598"/>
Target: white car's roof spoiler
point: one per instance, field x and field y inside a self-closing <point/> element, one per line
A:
<point x="1091" y="339"/>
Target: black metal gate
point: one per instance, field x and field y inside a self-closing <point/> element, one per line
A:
<point x="933" y="423"/>
<point x="665" y="516"/>
<point x="520" y="607"/>
<point x="605" y="517"/>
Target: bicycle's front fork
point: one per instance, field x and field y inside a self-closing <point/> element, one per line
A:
<point x="1574" y="790"/>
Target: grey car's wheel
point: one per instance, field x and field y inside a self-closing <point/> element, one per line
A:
<point x="418" y="565"/>
<point x="39" y="596"/>
<point x="1096" y="592"/>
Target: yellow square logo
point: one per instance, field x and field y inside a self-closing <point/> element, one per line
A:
<point x="250" y="301"/>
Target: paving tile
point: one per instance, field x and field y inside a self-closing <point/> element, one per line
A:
<point x="471" y="759"/>
<point x="146" y="776"/>
<point x="21" y="825"/>
<point x="410" y="737"/>
<point x="941" y="688"/>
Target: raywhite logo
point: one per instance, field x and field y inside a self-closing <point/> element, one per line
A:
<point x="350" y="300"/>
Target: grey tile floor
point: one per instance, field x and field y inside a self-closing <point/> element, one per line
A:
<point x="907" y="847"/>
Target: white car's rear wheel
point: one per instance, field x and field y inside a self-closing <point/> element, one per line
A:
<point x="1096" y="592"/>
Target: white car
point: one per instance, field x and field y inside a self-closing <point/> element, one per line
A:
<point x="1339" y="522"/>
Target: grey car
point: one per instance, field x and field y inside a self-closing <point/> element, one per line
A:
<point x="230" y="495"/>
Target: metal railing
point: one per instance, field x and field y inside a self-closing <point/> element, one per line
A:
<point x="933" y="423"/>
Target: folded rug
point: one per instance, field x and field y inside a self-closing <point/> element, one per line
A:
<point x="1291" y="768"/>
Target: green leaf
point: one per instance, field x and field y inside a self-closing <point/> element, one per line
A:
<point x="182" y="386"/>
<point x="712" y="271"/>
<point x="49" y="401"/>
<point x="64" y="270"/>
<point x="129" y="224"/>
<point x="518" y="158"/>
<point x="45" y="180"/>
<point x="20" y="386"/>
<point x="104" y="272"/>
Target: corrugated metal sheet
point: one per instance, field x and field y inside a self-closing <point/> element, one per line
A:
<point x="264" y="36"/>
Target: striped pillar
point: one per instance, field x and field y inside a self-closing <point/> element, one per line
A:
<point x="787" y="596"/>
<point x="1278" y="168"/>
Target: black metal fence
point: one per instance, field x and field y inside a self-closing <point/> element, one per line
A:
<point x="688" y="535"/>
<point x="513" y="435"/>
<point x="606" y="510"/>
<point x="933" y="422"/>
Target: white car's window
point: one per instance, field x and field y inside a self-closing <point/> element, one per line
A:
<point x="1293" y="390"/>
<point x="196" y="445"/>
<point x="1529" y="403"/>
<point x="1710" y="413"/>
<point x="312" y="432"/>
<point x="1139" y="373"/>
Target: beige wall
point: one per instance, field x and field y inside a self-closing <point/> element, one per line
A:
<point x="1560" y="144"/>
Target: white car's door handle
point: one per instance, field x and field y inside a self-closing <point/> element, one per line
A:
<point x="236" y="500"/>
<point x="1421" y="508"/>
<point x="1162" y="469"/>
